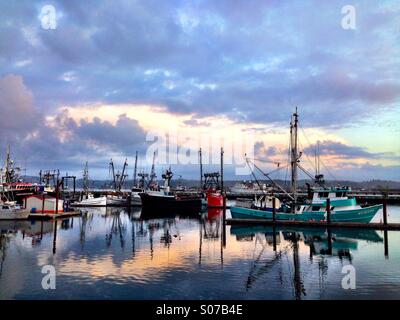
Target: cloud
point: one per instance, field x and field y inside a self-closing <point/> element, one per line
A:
<point x="125" y="135"/>
<point x="18" y="115"/>
<point x="242" y="60"/>
<point x="250" y="61"/>
<point x="344" y="151"/>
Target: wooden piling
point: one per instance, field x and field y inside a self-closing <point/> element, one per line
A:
<point x="129" y="199"/>
<point x="274" y="209"/>
<point x="43" y="198"/>
<point x="328" y="211"/>
<point x="330" y="241"/>
<point x="57" y="196"/>
<point x="224" y="221"/>
<point x="385" y="211"/>
<point x="386" y="243"/>
<point x="54" y="237"/>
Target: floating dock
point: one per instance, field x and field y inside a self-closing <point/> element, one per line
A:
<point x="357" y="225"/>
<point x="50" y="216"/>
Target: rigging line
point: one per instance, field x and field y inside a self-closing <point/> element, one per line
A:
<point x="287" y="161"/>
<point x="304" y="134"/>
<point x="326" y="168"/>
<point x="306" y="172"/>
<point x="301" y="146"/>
<point x="252" y="172"/>
<point x="277" y="185"/>
<point x="266" y="161"/>
<point x="278" y="169"/>
<point x="309" y="144"/>
<point x="320" y="160"/>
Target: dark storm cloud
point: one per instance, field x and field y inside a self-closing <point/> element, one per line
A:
<point x="261" y="58"/>
<point x="62" y="142"/>
<point x="18" y="115"/>
<point x="124" y="135"/>
<point x="252" y="61"/>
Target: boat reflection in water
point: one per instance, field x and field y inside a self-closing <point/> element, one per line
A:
<point x="321" y="242"/>
<point x="127" y="253"/>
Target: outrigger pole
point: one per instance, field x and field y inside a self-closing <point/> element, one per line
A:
<point x="269" y="178"/>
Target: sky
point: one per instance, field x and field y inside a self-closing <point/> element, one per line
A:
<point x="105" y="79"/>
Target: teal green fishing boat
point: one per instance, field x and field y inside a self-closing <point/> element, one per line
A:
<point x="342" y="207"/>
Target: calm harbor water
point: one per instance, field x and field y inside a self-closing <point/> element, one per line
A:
<point x="121" y="254"/>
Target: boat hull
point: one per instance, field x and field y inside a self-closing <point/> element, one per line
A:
<point x="135" y="199"/>
<point x="95" y="202"/>
<point x="215" y="200"/>
<point x="152" y="201"/>
<point x="363" y="215"/>
<point x="116" y="201"/>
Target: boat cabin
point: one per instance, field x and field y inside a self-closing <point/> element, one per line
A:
<point x="338" y="198"/>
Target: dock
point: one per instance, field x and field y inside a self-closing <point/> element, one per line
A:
<point x="52" y="216"/>
<point x="315" y="224"/>
<point x="362" y="196"/>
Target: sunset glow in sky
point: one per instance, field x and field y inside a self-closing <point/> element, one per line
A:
<point x="110" y="72"/>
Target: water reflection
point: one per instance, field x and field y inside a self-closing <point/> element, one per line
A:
<point x="321" y="242"/>
<point x="124" y="253"/>
<point x="210" y="229"/>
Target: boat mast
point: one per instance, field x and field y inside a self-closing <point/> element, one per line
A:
<point x="201" y="169"/>
<point x="135" y="170"/>
<point x="86" y="178"/>
<point x="113" y="173"/>
<point x="293" y="154"/>
<point x="8" y="167"/>
<point x="222" y="170"/>
<point x="153" y="171"/>
<point x="318" y="161"/>
<point x="123" y="175"/>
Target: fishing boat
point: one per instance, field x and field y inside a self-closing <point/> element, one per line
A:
<point x="138" y="186"/>
<point x="87" y="198"/>
<point x="164" y="198"/>
<point x="249" y="188"/>
<point x="213" y="184"/>
<point x="90" y="201"/>
<point x="12" y="187"/>
<point x="12" y="211"/>
<point x="342" y="207"/>
<point x="135" y="196"/>
<point x="117" y="198"/>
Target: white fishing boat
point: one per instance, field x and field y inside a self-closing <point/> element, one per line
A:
<point x="249" y="188"/>
<point x="135" y="197"/>
<point x="88" y="199"/>
<point x="12" y="211"/>
<point x="116" y="200"/>
<point x="91" y="201"/>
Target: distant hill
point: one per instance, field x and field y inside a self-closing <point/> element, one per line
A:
<point x="369" y="185"/>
